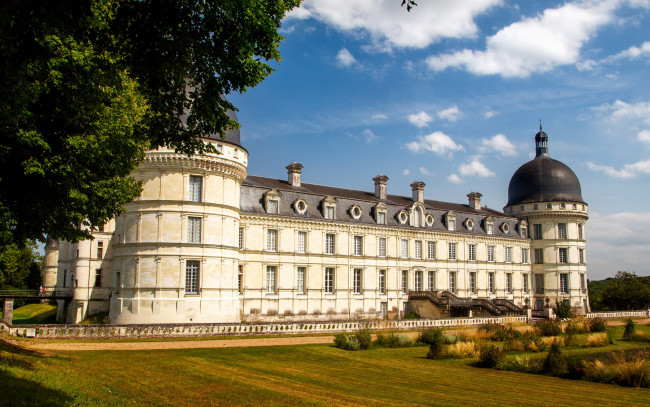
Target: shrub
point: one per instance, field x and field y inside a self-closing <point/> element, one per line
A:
<point x="597" y="339"/>
<point x="364" y="338"/>
<point x="548" y="328"/>
<point x="353" y="343"/>
<point x="341" y="341"/>
<point x="461" y="350"/>
<point x="404" y="341"/>
<point x="381" y="340"/>
<point x="436" y="344"/>
<point x="555" y="363"/>
<point x="429" y="336"/>
<point x="563" y="310"/>
<point x="610" y="336"/>
<point x="630" y="329"/>
<point x="597" y="325"/>
<point x="570" y="339"/>
<point x="450" y="339"/>
<point x="523" y="364"/>
<point x="575" y="367"/>
<point x="631" y="372"/>
<point x="490" y="357"/>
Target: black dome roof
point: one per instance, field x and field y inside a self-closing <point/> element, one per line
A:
<point x="543" y="179"/>
<point x="232" y="136"/>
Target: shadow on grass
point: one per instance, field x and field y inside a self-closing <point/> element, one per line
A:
<point x="24" y="392"/>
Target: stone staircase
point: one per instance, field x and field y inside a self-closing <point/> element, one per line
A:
<point x="447" y="301"/>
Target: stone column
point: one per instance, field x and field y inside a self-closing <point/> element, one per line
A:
<point x="8" y="310"/>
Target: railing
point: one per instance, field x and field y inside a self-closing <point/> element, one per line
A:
<point x="431" y="296"/>
<point x="35" y="293"/>
<point x="456" y="301"/>
<point x="487" y="304"/>
<point x="502" y="302"/>
<point x="18" y="293"/>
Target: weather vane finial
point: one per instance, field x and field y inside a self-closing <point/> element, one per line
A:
<point x="540" y="125"/>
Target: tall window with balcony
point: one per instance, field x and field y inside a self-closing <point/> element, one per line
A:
<point x="452" y="251"/>
<point x="193" y="229"/>
<point x="192" y="277"/>
<point x="271" y="279"/>
<point x="272" y="240"/>
<point x="539" y="283"/>
<point x="431" y="250"/>
<point x="329" y="243"/>
<point x="381" y="252"/>
<point x="195" y="188"/>
<point x="358" y="245"/>
<point x="356" y="281"/>
<point x="418" y="249"/>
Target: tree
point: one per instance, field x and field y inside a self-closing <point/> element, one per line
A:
<point x="625" y="292"/>
<point x="87" y="86"/>
<point x="19" y="267"/>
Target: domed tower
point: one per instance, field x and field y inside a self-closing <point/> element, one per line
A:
<point x="175" y="250"/>
<point x="546" y="193"/>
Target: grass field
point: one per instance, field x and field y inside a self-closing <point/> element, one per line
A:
<point x="35" y="314"/>
<point x="285" y="375"/>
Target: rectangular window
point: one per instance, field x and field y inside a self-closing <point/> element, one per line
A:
<point x="524" y="231"/>
<point x="405" y="281"/>
<point x="472" y="282"/>
<point x="196" y="187"/>
<point x="329" y="280"/>
<point x="418" y="280"/>
<point x="490" y="253"/>
<point x="301" y="280"/>
<point x="432" y="280"/>
<point x="383" y="309"/>
<point x="382" y="281"/>
<point x="489" y="228"/>
<point x="358" y="245"/>
<point x="549" y="206"/>
<point x="273" y="206"/>
<point x="509" y="282"/>
<point x="524" y="256"/>
<point x="491" y="282"/>
<point x="563" y="255"/>
<point x="271" y="275"/>
<point x="539" y="304"/>
<point x="381" y="218"/>
<point x="471" y="252"/>
<point x="329" y="243"/>
<point x="329" y="212"/>
<point x="241" y="238"/>
<point x="302" y="242"/>
<point x="508" y="254"/>
<point x="452" y="281"/>
<point x="539" y="256"/>
<point x="100" y="228"/>
<point x="537" y="231"/>
<point x="581" y="252"/>
<point x="539" y="283"/>
<point x="272" y="240"/>
<point x="431" y="250"/>
<point x="382" y="247"/>
<point x="581" y="231"/>
<point x="561" y="230"/>
<point x="240" y="279"/>
<point x="564" y="283"/>
<point x="193" y="229"/>
<point x="451" y="224"/>
<point x="418" y="249"/>
<point x="525" y="282"/>
<point x="356" y="281"/>
<point x="404" y="252"/>
<point x="583" y="283"/>
<point x="100" y="250"/>
<point x="192" y="277"/>
<point x="98" y="278"/>
<point x="452" y="251"/>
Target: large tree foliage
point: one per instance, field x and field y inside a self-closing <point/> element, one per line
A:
<point x="86" y="86"/>
<point x="626" y="291"/>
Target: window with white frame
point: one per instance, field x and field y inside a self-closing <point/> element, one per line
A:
<point x="509" y="282"/>
<point x="490" y="253"/>
<point x="241" y="238"/>
<point x="431" y="250"/>
<point x="471" y="252"/>
<point x="302" y="242"/>
<point x="581" y="253"/>
<point x="489" y="228"/>
<point x="523" y="230"/>
<point x="418" y="249"/>
<point x="192" y="277"/>
<point x="329" y="212"/>
<point x="240" y="279"/>
<point x="564" y="283"/>
<point x="525" y="282"/>
<point x="195" y="188"/>
<point x="382" y="281"/>
<point x="451" y="224"/>
<point x="329" y="243"/>
<point x="537" y="231"/>
<point x="272" y="206"/>
<point x="418" y="280"/>
<point x="508" y="254"/>
<point x="539" y="256"/>
<point x="382" y="247"/>
<point x="452" y="251"/>
<point x="300" y="280"/>
<point x="524" y="255"/>
<point x="193" y="229"/>
<point x="431" y="277"/>
<point x="539" y="283"/>
<point x="356" y="281"/>
<point x="405" y="281"/>
<point x="581" y="232"/>
<point x="272" y="240"/>
<point x="452" y="281"/>
<point x="358" y="245"/>
<point x="271" y="279"/>
<point x="472" y="282"/>
<point x="561" y="230"/>
<point x="404" y="248"/>
<point x="329" y="280"/>
<point x="417" y="216"/>
<point x="563" y="255"/>
<point x="381" y="218"/>
<point x="491" y="282"/>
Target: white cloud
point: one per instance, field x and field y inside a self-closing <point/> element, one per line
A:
<point x="489" y="114"/>
<point x="378" y="116"/>
<point x="344" y="58"/>
<point x="628" y="171"/>
<point x="452" y="114"/>
<point x="406" y="172"/>
<point x="475" y="168"/>
<point x="620" y="110"/>
<point x="536" y="44"/>
<point x="421" y="119"/>
<point x="436" y="142"/>
<point x="633" y="52"/>
<point x="369" y="136"/>
<point x="387" y="25"/>
<point x="499" y="144"/>
<point x="454" y="179"/>
<point x="424" y="171"/>
<point x="644" y="136"/>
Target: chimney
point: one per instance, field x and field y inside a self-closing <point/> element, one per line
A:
<point x="380" y="186"/>
<point x="474" y="200"/>
<point x="418" y="191"/>
<point x="294" y="170"/>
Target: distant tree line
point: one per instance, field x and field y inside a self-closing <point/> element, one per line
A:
<point x="626" y="291"/>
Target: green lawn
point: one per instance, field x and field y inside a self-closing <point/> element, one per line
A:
<point x="35" y="314"/>
<point x="287" y="375"/>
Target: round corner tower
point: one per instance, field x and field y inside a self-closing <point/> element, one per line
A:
<point x="547" y="194"/>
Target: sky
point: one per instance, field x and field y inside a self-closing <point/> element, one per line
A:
<point x="452" y="94"/>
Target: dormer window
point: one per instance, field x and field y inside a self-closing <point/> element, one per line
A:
<point x="402" y="217"/>
<point x="300" y="206"/>
<point x="429" y="220"/>
<point x="451" y="221"/>
<point x="355" y="212"/>
<point x="469" y="224"/>
<point x="505" y="228"/>
<point x="489" y="225"/>
<point x="523" y="228"/>
<point x="416" y="218"/>
<point x="272" y="201"/>
<point x="329" y="207"/>
<point x="380" y="213"/>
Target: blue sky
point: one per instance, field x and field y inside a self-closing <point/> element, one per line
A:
<point x="452" y="93"/>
